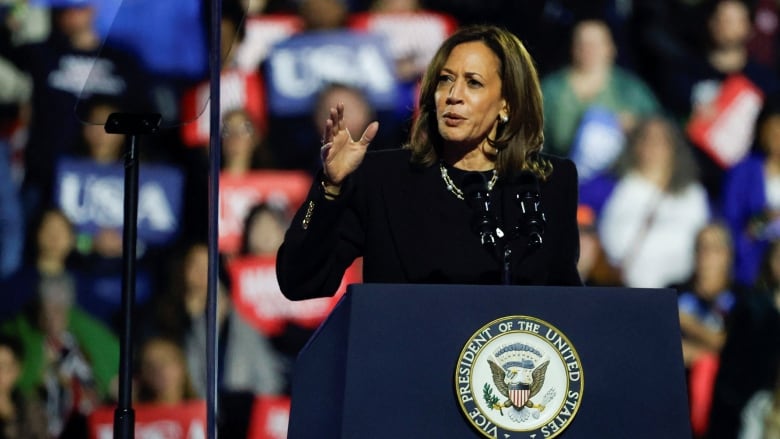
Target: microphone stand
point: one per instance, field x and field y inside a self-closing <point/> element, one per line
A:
<point x="527" y="198"/>
<point x="506" y="264"/>
<point x="132" y="125"/>
<point x="486" y="225"/>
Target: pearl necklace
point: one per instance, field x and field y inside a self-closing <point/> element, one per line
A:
<point x="456" y="190"/>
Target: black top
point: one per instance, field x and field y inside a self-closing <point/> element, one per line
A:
<point x="410" y="229"/>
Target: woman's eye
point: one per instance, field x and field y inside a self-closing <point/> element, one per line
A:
<point x="445" y="78"/>
<point x="474" y="83"/>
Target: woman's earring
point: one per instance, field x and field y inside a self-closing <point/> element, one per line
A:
<point x="504" y="118"/>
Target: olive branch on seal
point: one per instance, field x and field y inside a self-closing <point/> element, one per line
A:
<point x="491" y="399"/>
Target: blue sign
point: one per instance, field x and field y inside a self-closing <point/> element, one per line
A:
<point x="92" y="196"/>
<point x="299" y="66"/>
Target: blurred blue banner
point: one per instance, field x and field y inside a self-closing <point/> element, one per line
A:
<point x="298" y="67"/>
<point x="91" y="195"/>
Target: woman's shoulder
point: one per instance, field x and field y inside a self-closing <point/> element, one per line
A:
<point x="562" y="167"/>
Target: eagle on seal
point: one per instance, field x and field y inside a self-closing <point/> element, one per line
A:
<point x="510" y="382"/>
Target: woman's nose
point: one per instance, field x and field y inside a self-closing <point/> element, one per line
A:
<point x="455" y="93"/>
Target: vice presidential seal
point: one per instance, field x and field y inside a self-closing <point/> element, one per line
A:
<point x="519" y="377"/>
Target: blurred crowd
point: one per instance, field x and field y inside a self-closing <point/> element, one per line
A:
<point x="669" y="108"/>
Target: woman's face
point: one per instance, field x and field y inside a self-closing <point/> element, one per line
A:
<point x="730" y="24"/>
<point x="55" y="237"/>
<point x="468" y="96"/>
<point x="654" y="146"/>
<point x="73" y="20"/>
<point x="592" y="45"/>
<point x="360" y="111"/>
<point x="103" y="147"/>
<point x="713" y="254"/>
<point x="396" y="5"/>
<point x="238" y="138"/>
<point x="196" y="270"/>
<point x="266" y="234"/>
<point x="162" y="369"/>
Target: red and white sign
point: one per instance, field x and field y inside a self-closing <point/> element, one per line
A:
<point x="256" y="295"/>
<point x="155" y="421"/>
<point x="262" y="32"/>
<point x="237" y="195"/>
<point x="724" y="129"/>
<point x="413" y="36"/>
<point x="270" y="418"/>
<point x="238" y="89"/>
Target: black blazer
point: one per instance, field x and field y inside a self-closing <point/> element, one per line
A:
<point x="410" y="229"/>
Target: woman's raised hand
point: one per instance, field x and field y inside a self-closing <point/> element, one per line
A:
<point x="341" y="154"/>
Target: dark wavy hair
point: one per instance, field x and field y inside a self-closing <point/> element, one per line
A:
<point x="518" y="141"/>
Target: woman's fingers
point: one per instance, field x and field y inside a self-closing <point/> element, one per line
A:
<point x="369" y="133"/>
<point x="340" y="115"/>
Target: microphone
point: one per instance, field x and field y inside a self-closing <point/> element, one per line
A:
<point x="528" y="197"/>
<point x="483" y="222"/>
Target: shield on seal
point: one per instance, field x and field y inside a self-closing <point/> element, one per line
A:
<point x="518" y="394"/>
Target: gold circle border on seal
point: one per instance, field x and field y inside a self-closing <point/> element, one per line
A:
<point x="486" y="336"/>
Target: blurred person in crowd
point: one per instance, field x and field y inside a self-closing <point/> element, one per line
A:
<point x="243" y="145"/>
<point x="692" y="88"/>
<point x="592" y="80"/>
<point x="750" y="358"/>
<point x="395" y="6"/>
<point x="96" y="143"/>
<point x="239" y="89"/>
<point x="20" y="23"/>
<point x="480" y="124"/>
<point x="70" y="357"/>
<point x="751" y="196"/>
<point x="592" y="265"/>
<point x="264" y="229"/>
<point x="331" y="95"/>
<point x="650" y="220"/>
<point x="321" y="15"/>
<point x="49" y="251"/>
<point x="248" y="362"/>
<point x="103" y="149"/>
<point x="295" y="148"/>
<point x="727" y="30"/>
<point x="58" y="67"/>
<point x="21" y="416"/>
<point x="24" y="21"/>
<point x="99" y="263"/>
<point x="163" y="376"/>
<point x="11" y="219"/>
<point x="707" y="298"/>
<point x="760" y="419"/>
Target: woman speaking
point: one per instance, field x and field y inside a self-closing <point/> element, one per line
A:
<point x="469" y="200"/>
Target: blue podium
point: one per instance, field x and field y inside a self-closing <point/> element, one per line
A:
<point x="386" y="364"/>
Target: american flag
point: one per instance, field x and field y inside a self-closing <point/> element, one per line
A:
<point x="519" y="394"/>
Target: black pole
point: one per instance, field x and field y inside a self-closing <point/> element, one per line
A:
<point x="132" y="124"/>
<point x="215" y="65"/>
<point x="124" y="416"/>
